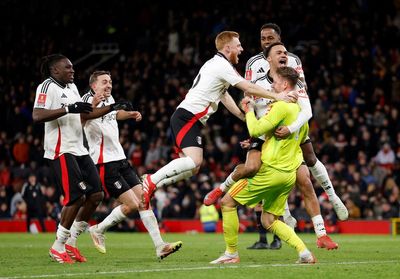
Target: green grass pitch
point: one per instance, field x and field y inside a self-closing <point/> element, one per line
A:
<point x="132" y="255"/>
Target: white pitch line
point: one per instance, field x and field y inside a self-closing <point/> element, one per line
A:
<point x="190" y="268"/>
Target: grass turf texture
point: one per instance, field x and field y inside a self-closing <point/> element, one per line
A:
<point x="132" y="255"/>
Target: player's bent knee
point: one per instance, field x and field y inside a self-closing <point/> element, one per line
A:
<point x="251" y="170"/>
<point x="96" y="198"/>
<point x="196" y="170"/>
<point x="130" y="207"/>
<point x="78" y="202"/>
<point x="310" y="159"/>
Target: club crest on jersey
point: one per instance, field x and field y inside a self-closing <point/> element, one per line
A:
<point x="82" y="185"/>
<point x="198" y="138"/>
<point x="117" y="184"/>
<point x="248" y="74"/>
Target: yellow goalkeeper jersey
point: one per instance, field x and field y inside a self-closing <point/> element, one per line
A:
<point x="281" y="154"/>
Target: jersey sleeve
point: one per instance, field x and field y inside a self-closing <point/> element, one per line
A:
<point x="87" y="98"/>
<point x="267" y="123"/>
<point x="229" y="74"/>
<point x="305" y="111"/>
<point x="250" y="73"/>
<point x="44" y="96"/>
<point x="295" y="63"/>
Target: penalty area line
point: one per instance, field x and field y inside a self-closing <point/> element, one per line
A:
<point x="212" y="267"/>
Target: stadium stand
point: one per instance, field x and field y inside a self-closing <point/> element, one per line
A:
<point x="350" y="58"/>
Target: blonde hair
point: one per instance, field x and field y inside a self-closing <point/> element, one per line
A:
<point x="224" y="38"/>
<point x="93" y="77"/>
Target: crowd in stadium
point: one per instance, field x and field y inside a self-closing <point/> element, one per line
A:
<point x="352" y="68"/>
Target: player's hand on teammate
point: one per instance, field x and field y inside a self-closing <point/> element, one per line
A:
<point x="282" y="132"/>
<point x="289" y="97"/>
<point x="97" y="99"/>
<point x="121" y="105"/>
<point x="247" y="104"/>
<point x="80" y="107"/>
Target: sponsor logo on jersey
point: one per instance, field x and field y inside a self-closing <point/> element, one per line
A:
<point x="41" y="101"/>
<point x="63" y="95"/>
<point x="261" y="70"/>
<point x="198" y="138"/>
<point x="117" y="184"/>
<point x="248" y="74"/>
<point x="82" y="185"/>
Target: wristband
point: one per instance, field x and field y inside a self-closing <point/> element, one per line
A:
<point x="66" y="109"/>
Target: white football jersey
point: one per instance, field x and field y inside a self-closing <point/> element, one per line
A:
<point x="102" y="134"/>
<point x="261" y="103"/>
<point x="213" y="79"/>
<point x="257" y="66"/>
<point x="64" y="134"/>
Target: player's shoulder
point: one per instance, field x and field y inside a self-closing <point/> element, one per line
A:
<point x="88" y="96"/>
<point x="284" y="106"/>
<point x="300" y="85"/>
<point x="46" y="86"/>
<point x="254" y="60"/>
<point x="217" y="62"/>
<point x="262" y="79"/>
<point x="294" y="58"/>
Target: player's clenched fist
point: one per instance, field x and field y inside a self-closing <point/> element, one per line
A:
<point x="247" y="104"/>
<point x="79" y="107"/>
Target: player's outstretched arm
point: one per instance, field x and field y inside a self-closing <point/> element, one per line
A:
<point x="98" y="112"/>
<point x="45" y="115"/>
<point x="231" y="105"/>
<point x="266" y="124"/>
<point x="123" y="115"/>
<point x="304" y="116"/>
<point x="256" y="90"/>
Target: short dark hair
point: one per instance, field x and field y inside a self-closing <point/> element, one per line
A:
<point x="289" y="74"/>
<point x="48" y="62"/>
<point x="268" y="49"/>
<point x="96" y="74"/>
<point x="271" y="26"/>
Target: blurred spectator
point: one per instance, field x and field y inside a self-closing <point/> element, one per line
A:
<point x="209" y="217"/>
<point x="35" y="201"/>
<point x="354" y="210"/>
<point x="385" y="157"/>
<point x="21" y="150"/>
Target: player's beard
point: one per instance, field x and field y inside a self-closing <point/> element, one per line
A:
<point x="233" y="57"/>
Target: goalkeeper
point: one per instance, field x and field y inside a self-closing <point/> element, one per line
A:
<point x="276" y="177"/>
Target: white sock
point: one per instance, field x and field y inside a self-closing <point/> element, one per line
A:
<point x="321" y="175"/>
<point x="305" y="253"/>
<point x="61" y="238"/>
<point x="112" y="219"/>
<point x="173" y="168"/>
<point x="319" y="226"/>
<point x="76" y="229"/>
<point x="287" y="211"/>
<point x="227" y="183"/>
<point x="174" y="179"/>
<point x="151" y="224"/>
